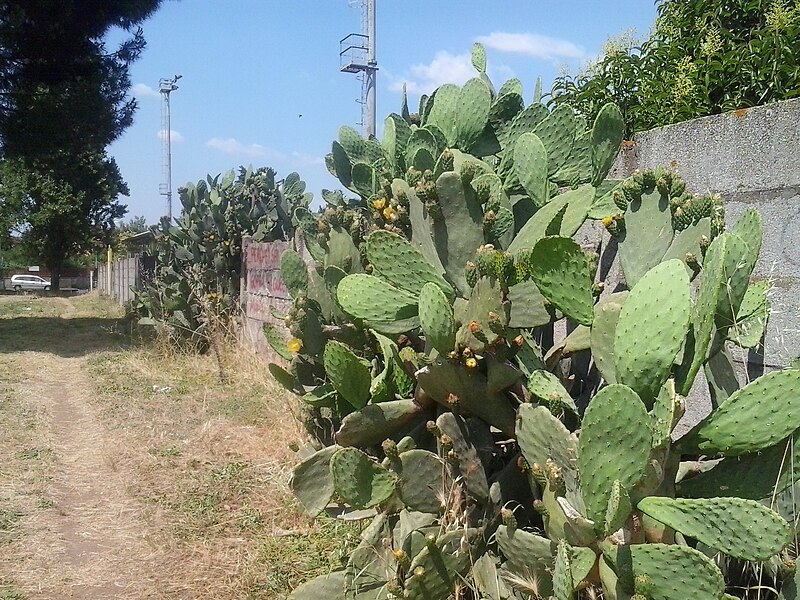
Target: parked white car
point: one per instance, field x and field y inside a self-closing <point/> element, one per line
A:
<point x="29" y="282"/>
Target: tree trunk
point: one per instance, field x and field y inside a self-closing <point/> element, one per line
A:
<point x="55" y="279"/>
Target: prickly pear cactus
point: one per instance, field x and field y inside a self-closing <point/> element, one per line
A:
<point x="485" y="449"/>
<point x="198" y="258"/>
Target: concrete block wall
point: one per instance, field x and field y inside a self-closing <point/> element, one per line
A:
<point x="752" y="158"/>
<point x="263" y="291"/>
<point x="126" y="275"/>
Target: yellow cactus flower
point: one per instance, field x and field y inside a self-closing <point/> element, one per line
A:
<point x="607" y="221"/>
<point x="474" y="326"/>
<point x="389" y="214"/>
<point x="379" y="204"/>
<point x="295" y="345"/>
<point x="471" y="362"/>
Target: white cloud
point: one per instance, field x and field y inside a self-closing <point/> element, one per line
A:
<point x="532" y="44"/>
<point x="142" y="90"/>
<point x="444" y="68"/>
<point x="236" y="148"/>
<point x="174" y="136"/>
<point x="302" y="160"/>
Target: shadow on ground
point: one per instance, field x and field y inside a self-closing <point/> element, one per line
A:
<point x="67" y="338"/>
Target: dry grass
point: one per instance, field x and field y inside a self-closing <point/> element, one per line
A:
<point x="132" y="471"/>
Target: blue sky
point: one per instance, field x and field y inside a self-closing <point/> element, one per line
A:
<point x="250" y="68"/>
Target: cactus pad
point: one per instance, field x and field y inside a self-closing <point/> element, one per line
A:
<point x="724" y="524"/>
<point x="360" y="481"/>
<point x="444" y="112"/>
<point x="438" y="566"/>
<point x="560" y="270"/>
<point x="348" y="374"/>
<point x="528" y="308"/>
<point x="474" y="104"/>
<point x="464" y="439"/>
<point x="312" y="483"/>
<point x="530" y="165"/>
<point x="547" y="389"/>
<point x="376" y="422"/>
<point x="424" y="485"/>
<point x="614" y="444"/>
<point x="436" y="318"/>
<point x="755" y="417"/>
<point x="276" y="341"/>
<point x="465" y="392"/>
<point x="648" y="235"/>
<point x="751" y="320"/>
<point x="753" y="476"/>
<point x="563" y="587"/>
<point x="326" y="586"/>
<point x="374" y="300"/>
<point x="398" y="262"/>
<point x="541" y="436"/>
<point x="607" y="134"/>
<point x="618" y="510"/>
<point x="668" y="572"/>
<point x="459" y="232"/>
<point x="536" y="227"/>
<point x="703" y="328"/>
<point x="294" y="272"/>
<point x="651" y="329"/>
<point x="604" y="325"/>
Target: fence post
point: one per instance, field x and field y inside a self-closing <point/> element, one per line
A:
<point x="109" y="259"/>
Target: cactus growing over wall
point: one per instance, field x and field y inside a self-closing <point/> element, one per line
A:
<point x="471" y="441"/>
<point x="199" y="256"/>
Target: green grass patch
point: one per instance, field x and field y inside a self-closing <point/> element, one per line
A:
<point x="9" y="520"/>
<point x="292" y="559"/>
<point x="35" y="453"/>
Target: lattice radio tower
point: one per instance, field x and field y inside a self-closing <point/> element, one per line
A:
<point x="357" y="55"/>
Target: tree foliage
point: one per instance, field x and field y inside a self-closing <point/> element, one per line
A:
<point x="703" y="57"/>
<point x="65" y="213"/>
<point x="63" y="100"/>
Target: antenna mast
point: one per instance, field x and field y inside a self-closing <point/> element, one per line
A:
<point x="357" y="55"/>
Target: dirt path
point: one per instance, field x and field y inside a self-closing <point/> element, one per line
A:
<point x="96" y="525"/>
<point x="75" y="532"/>
<point x="130" y="470"/>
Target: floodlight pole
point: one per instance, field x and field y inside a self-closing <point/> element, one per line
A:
<point x="166" y="86"/>
<point x="370" y="73"/>
<point x="357" y="55"/>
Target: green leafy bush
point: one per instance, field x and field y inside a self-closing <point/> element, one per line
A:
<point x="704" y="57"/>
